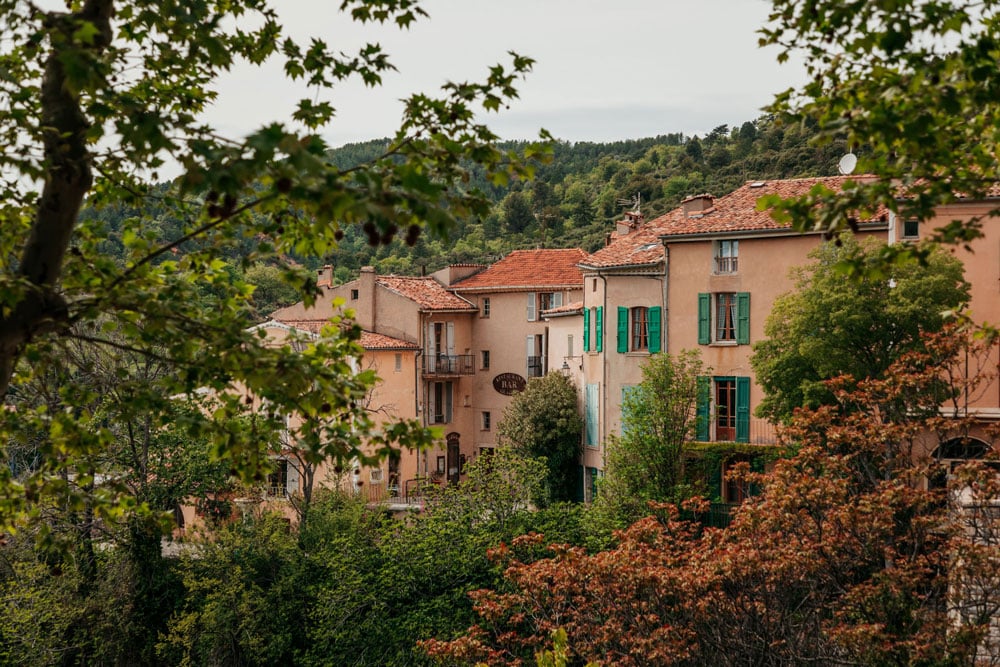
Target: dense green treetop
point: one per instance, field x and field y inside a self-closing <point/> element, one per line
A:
<point x="95" y="99"/>
<point x="658" y="418"/>
<point x="829" y="325"/>
<point x="914" y="86"/>
<point x="544" y="422"/>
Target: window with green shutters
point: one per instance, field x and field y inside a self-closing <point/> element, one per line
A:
<point x="724" y="317"/>
<point x="638" y="329"/>
<point x="586" y="330"/>
<point x="723" y="409"/>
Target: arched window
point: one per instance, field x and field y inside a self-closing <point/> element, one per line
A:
<point x="955" y="452"/>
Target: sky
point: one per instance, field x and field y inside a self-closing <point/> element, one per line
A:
<point x="605" y="69"/>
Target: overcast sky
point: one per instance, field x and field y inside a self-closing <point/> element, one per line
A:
<point x="605" y="70"/>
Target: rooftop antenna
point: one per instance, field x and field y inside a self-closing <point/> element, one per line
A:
<point x="847" y="164"/>
<point x="635" y="203"/>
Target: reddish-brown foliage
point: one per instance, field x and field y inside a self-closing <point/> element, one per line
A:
<point x="848" y="556"/>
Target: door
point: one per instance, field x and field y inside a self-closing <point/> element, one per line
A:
<point x="725" y="410"/>
<point x="454" y="453"/>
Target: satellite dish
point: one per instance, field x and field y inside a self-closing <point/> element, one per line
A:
<point x="847" y="164"/>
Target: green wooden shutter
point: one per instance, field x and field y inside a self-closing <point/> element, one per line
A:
<point x="742" y="409"/>
<point x="591" y="402"/>
<point x="704" y="319"/>
<point x="702" y="410"/>
<point x="578" y="485"/>
<point x="743" y="318"/>
<point x="599" y="328"/>
<point x="654" y="318"/>
<point x="586" y="329"/>
<point x="622" y="329"/>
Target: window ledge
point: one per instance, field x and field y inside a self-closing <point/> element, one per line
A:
<point x="637" y="353"/>
<point x="723" y="343"/>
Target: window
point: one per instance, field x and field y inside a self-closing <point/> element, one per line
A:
<point x="487" y="421"/>
<point x="593" y="285"/>
<point x="354" y="295"/>
<point x="733" y="490"/>
<point x="569" y="345"/>
<point x="911" y="229"/>
<point x="536" y="362"/>
<point x="283" y="480"/>
<point x="727" y="256"/>
<point x="591" y="398"/>
<point x="723" y="409"/>
<point x="486" y="359"/>
<point x="724" y="317"/>
<point x="639" y="329"/>
<point x="531" y="307"/>
<point x="399" y="362"/>
<point x="277" y="481"/>
<point x="485" y="307"/>
<point x="590" y="478"/>
<point x="549" y="300"/>
<point x="440" y="467"/>
<point x="439" y="402"/>
<point x="375" y="475"/>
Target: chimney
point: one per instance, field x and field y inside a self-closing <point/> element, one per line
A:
<point x="324" y="276"/>
<point x="697" y="204"/>
<point x="633" y="220"/>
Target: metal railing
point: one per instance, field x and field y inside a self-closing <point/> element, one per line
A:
<point x="726" y="264"/>
<point x="449" y="364"/>
<point x="719" y="515"/>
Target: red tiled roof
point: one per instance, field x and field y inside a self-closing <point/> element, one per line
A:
<point x="529" y="269"/>
<point x="426" y="292"/>
<point x="377" y="341"/>
<point x="733" y="213"/>
<point x="569" y="309"/>
<point x="369" y="339"/>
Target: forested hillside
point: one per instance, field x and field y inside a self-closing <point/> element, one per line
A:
<point x="572" y="202"/>
<point x="576" y="197"/>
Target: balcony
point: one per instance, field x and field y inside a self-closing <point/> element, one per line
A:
<point x="726" y="264"/>
<point x="536" y="367"/>
<point x="449" y="364"/>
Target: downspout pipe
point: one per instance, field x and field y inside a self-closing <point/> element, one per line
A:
<point x="604" y="363"/>
<point x="665" y="324"/>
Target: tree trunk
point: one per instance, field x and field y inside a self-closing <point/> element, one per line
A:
<point x="68" y="178"/>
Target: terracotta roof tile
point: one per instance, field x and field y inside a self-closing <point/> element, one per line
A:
<point x="527" y="269"/>
<point x="569" y="309"/>
<point x="426" y="292"/>
<point x="377" y="341"/>
<point x="369" y="339"/>
<point x="733" y="213"/>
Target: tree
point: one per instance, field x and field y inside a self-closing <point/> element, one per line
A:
<point x="900" y="73"/>
<point x="658" y="417"/>
<point x="98" y="98"/>
<point x="517" y="215"/>
<point x="845" y="558"/>
<point x="831" y="325"/>
<point x="544" y="421"/>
